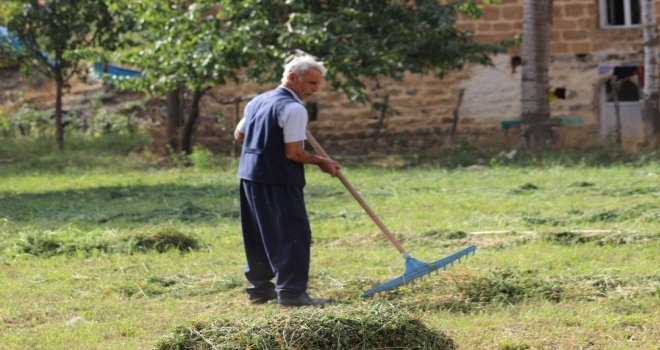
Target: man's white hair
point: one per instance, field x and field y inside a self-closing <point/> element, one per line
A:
<point x="299" y="63"/>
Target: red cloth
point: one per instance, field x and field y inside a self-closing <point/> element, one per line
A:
<point x="640" y="75"/>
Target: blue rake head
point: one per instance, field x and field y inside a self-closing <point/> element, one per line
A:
<point x="415" y="269"/>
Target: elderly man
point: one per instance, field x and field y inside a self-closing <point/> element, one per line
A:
<point x="276" y="231"/>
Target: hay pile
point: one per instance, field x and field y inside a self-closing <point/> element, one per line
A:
<point x="358" y="326"/>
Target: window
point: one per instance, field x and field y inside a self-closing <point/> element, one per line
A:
<point x="620" y="13"/>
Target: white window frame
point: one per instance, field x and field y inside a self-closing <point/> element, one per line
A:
<point x="627" y="15"/>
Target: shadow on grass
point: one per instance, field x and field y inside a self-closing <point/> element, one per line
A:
<point x="126" y="204"/>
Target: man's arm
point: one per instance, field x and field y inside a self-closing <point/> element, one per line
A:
<point x="238" y="135"/>
<point x="295" y="151"/>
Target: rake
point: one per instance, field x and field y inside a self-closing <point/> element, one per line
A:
<point x="413" y="268"/>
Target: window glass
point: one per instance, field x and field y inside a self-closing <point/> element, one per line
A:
<point x="636" y="12"/>
<point x="615" y="13"/>
<point x="619" y="13"/>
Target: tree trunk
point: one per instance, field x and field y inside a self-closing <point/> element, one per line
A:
<point x="454" y="123"/>
<point x="650" y="95"/>
<point x="59" y="128"/>
<point x="617" y="111"/>
<point x="173" y="118"/>
<point x="537" y="22"/>
<point x="189" y="127"/>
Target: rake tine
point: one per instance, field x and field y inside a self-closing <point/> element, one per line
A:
<point x="415" y="269"/>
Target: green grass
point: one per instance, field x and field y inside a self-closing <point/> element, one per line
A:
<point x="106" y="249"/>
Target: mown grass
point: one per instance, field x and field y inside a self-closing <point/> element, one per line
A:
<point x="111" y="250"/>
<point x="362" y="326"/>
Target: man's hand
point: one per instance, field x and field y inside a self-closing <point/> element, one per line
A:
<point x="295" y="151"/>
<point x="329" y="166"/>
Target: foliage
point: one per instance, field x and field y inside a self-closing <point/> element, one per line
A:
<point x="55" y="36"/>
<point x="205" y="43"/>
<point x="184" y="44"/>
<point x="103" y="123"/>
<point x="360" y="39"/>
<point x="26" y="121"/>
<point x="7" y="9"/>
<point x="201" y="157"/>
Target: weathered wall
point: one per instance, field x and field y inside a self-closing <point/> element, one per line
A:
<point x="425" y="105"/>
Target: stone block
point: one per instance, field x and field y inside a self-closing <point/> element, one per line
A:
<point x="484" y="27"/>
<point x="583" y="47"/>
<point x="557" y="11"/>
<point x="574" y="10"/>
<point x="558" y="48"/>
<point x="575" y="35"/>
<point x="561" y="24"/>
<point x="512" y="12"/>
<point x="502" y="27"/>
<point x="491" y="14"/>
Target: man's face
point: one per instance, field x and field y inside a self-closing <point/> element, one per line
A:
<point x="305" y="85"/>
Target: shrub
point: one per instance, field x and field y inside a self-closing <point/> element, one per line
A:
<point x="201" y="157"/>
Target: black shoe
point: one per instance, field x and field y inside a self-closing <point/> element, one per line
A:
<point x="303" y="300"/>
<point x="262" y="298"/>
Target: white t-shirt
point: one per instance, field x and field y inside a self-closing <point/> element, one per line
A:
<point x="293" y="120"/>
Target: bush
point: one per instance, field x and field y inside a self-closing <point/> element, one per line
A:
<point x="201" y="157"/>
<point x="26" y="122"/>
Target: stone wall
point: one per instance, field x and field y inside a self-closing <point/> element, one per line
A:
<point x="425" y="107"/>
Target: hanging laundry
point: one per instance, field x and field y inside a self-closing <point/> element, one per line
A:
<point x="640" y="74"/>
<point x="605" y="69"/>
<point x="625" y="72"/>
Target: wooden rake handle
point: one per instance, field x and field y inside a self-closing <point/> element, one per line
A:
<point x="318" y="149"/>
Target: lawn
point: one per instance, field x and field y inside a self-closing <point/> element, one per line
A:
<point x="113" y="251"/>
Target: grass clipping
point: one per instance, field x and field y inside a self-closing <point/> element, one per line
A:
<point x="359" y="326"/>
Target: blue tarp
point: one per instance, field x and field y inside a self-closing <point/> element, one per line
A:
<point x="113" y="72"/>
<point x="16" y="43"/>
<point x="4" y="36"/>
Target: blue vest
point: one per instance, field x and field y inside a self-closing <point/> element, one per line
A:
<point x="263" y="157"/>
